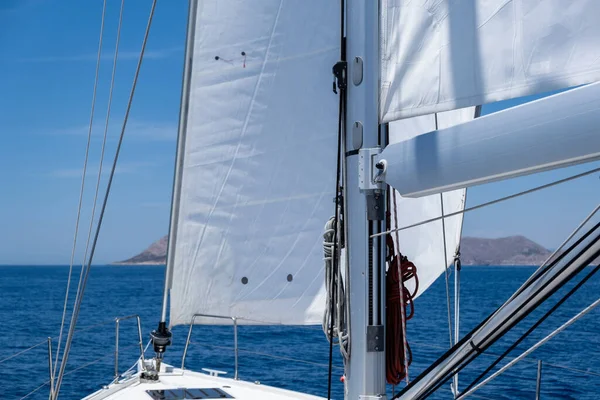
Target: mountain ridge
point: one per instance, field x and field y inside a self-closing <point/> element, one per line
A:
<point x="509" y="250"/>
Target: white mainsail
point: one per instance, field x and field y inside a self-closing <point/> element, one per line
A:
<point x="424" y="244"/>
<point x="441" y="55"/>
<point x="258" y="168"/>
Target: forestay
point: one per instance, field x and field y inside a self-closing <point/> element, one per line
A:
<point x="424" y="244"/>
<point x="446" y="54"/>
<point x="258" y="170"/>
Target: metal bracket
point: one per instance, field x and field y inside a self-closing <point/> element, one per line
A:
<point x="369" y="171"/>
<point x="340" y="73"/>
<point x="375" y="206"/>
<point x="374" y="338"/>
<point x="372" y="397"/>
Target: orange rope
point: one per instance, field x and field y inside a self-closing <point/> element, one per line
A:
<point x="400" y="270"/>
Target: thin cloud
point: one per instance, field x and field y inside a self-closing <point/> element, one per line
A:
<point x="92" y="170"/>
<point x="137" y="130"/>
<point x="107" y="55"/>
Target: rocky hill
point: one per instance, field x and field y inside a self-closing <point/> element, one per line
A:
<point x="156" y="254"/>
<point x="512" y="250"/>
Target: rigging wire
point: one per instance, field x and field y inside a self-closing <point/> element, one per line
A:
<point x="335" y="250"/>
<point x="532" y="361"/>
<point x="446" y="273"/>
<point x="267" y="355"/>
<point x="340" y="138"/>
<point x="81" y="191"/>
<point x="104" y="203"/>
<point x="489" y="203"/>
<point x="508" y="322"/>
<point x="542" y="269"/>
<point x="534" y="347"/>
<point x="534" y="326"/>
<point x="97" y="190"/>
<point x="23" y="351"/>
<point x="445" y="264"/>
<point x="96" y="361"/>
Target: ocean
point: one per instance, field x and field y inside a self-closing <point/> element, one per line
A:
<point x="31" y="302"/>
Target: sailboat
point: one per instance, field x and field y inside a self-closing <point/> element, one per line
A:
<point x="267" y="153"/>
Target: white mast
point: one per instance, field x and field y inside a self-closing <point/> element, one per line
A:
<point x="161" y="337"/>
<point x="364" y="207"/>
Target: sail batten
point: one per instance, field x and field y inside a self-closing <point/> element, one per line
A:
<point x="258" y="171"/>
<point x="440" y="55"/>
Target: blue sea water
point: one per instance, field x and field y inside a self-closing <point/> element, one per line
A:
<point x="31" y="300"/>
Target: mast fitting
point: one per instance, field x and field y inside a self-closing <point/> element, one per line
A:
<point x="161" y="338"/>
<point x="340" y="73"/>
<point x="370" y="170"/>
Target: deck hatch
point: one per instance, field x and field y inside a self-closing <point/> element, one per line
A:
<point x="184" y="394"/>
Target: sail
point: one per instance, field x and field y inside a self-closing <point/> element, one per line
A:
<point x="445" y="54"/>
<point x="553" y="132"/>
<point x="424" y="244"/>
<point x="256" y="180"/>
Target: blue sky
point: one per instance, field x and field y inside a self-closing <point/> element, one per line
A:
<point x="47" y="67"/>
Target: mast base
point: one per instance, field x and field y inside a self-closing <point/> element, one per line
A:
<point x="161" y="338"/>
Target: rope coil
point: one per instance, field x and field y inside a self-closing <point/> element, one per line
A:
<point x="398" y="355"/>
<point x="336" y="293"/>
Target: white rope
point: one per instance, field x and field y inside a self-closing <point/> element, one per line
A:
<point x="489" y="203"/>
<point x="335" y="291"/>
<point x="532" y="348"/>
<point x="79" y="298"/>
<point x="134" y="364"/>
<point x="81" y="191"/>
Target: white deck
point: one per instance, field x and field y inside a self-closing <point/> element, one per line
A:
<point x="174" y="378"/>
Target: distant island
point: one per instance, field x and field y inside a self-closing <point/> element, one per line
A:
<point x="156" y="254"/>
<point x="511" y="250"/>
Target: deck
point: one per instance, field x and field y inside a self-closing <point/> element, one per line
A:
<point x="199" y="385"/>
